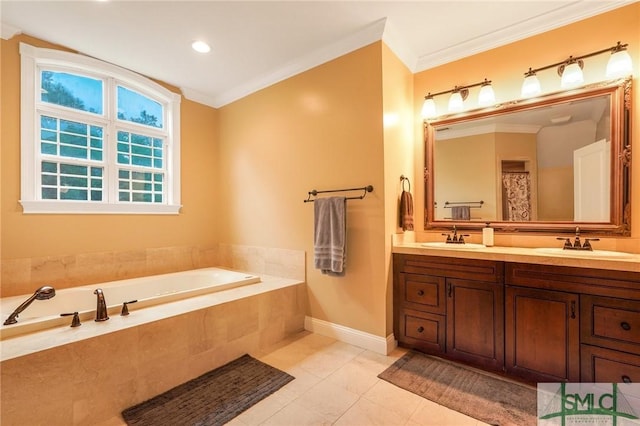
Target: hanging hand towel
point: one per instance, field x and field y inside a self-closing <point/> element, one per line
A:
<point x="461" y="213"/>
<point x="406" y="211"/>
<point x="330" y="235"/>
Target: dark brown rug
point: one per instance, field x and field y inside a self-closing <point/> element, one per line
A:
<point x="484" y="397"/>
<point x="211" y="399"/>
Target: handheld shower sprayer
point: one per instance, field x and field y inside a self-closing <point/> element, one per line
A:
<point x="43" y="293"/>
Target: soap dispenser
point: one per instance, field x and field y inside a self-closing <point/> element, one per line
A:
<point x="487" y="235"/>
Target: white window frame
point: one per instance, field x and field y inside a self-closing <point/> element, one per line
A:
<point x="33" y="59"/>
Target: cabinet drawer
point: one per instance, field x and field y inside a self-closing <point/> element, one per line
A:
<point x="422" y="330"/>
<point x="610" y="322"/>
<point x="422" y="292"/>
<point x="450" y="267"/>
<point x="608" y="366"/>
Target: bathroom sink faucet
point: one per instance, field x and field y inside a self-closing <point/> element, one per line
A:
<point x="101" y="309"/>
<point x="577" y="244"/>
<point x="455" y="238"/>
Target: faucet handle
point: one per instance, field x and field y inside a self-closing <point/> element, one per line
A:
<point x="567" y="242"/>
<point x="587" y="243"/>
<point x="75" y="322"/>
<point x="125" y="307"/>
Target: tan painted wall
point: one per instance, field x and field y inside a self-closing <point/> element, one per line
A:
<point x="321" y="129"/>
<point x="506" y="65"/>
<point x="399" y="122"/>
<point x="466" y="172"/>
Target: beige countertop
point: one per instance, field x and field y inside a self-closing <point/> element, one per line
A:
<point x="630" y="262"/>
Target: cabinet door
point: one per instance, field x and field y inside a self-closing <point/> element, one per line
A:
<point x="475" y="322"/>
<point x="542" y="335"/>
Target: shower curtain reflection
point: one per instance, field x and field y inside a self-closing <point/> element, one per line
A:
<point x="516" y="196"/>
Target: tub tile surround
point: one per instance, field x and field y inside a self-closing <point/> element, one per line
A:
<point x="85" y="382"/>
<point x="23" y="276"/>
<point x="83" y="375"/>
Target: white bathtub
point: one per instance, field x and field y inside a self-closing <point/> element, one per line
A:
<point x="148" y="291"/>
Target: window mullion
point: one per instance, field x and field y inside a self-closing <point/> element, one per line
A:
<point x="111" y="169"/>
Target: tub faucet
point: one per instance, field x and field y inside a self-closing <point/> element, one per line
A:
<point x="101" y="309"/>
<point x="43" y="293"/>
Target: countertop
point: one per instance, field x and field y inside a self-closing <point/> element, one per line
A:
<point x="631" y="262"/>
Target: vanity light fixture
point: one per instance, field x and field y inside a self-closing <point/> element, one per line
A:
<point x="619" y="64"/>
<point x="571" y="73"/>
<point x="459" y="94"/>
<point x="570" y="70"/>
<point x="531" y="85"/>
<point x="486" y="96"/>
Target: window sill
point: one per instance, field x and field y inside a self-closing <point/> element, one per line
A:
<point x="82" y="207"/>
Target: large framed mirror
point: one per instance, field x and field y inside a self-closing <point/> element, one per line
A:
<point x="537" y="165"/>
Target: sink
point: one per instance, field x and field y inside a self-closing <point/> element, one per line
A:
<point x="468" y="246"/>
<point x="585" y="253"/>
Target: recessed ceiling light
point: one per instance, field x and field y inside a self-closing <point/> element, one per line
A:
<point x="200" y="46"/>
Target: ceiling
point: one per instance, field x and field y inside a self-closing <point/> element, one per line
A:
<point x="257" y="43"/>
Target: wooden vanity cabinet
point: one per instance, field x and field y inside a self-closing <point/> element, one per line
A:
<point x="542" y="335"/>
<point x="610" y="337"/>
<point x="541" y="323"/>
<point x="450" y="307"/>
<point x="572" y="324"/>
<point x="475" y="322"/>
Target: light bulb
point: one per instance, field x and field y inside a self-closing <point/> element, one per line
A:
<point x="486" y="96"/>
<point x="200" y="46"/>
<point x="530" y="85"/>
<point x="456" y="103"/>
<point x="428" y="108"/>
<point x="619" y="64"/>
<point x="572" y="75"/>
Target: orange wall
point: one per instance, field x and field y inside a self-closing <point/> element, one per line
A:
<point x="398" y="121"/>
<point x="38" y="235"/>
<point x="506" y="65"/>
<point x="321" y="129"/>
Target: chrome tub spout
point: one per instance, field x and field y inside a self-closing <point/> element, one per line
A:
<point x="101" y="308"/>
<point x="43" y="293"/>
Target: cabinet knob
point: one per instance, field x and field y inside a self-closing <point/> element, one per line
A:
<point x="420" y="292"/>
<point x="626" y="379"/>
<point x="420" y="329"/>
<point x="625" y="325"/>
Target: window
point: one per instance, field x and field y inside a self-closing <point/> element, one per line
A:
<point x="96" y="138"/>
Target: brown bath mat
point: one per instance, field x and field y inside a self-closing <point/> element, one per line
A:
<point x="482" y="396"/>
<point x="211" y="399"/>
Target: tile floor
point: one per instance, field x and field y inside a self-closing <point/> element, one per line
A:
<point x="337" y="384"/>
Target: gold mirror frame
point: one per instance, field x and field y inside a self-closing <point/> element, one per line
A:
<point x="620" y="207"/>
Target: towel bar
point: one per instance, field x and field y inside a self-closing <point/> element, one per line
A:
<point x="449" y="204"/>
<point x="365" y="189"/>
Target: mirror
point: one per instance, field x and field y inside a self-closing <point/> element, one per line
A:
<point x="545" y="164"/>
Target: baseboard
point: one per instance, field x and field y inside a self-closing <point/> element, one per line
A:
<point x="349" y="335"/>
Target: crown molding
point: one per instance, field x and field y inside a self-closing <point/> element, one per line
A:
<point x="369" y="34"/>
<point x="564" y="15"/>
<point x="7" y="31"/>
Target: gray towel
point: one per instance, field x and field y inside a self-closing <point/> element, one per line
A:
<point x="330" y="235"/>
<point x="461" y="213"/>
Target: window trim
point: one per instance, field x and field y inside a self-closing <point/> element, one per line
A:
<point x="33" y="57"/>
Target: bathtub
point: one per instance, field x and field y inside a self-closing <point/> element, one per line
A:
<point x="147" y="291"/>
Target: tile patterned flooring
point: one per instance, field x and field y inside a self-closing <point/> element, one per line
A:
<point x="337" y="384"/>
